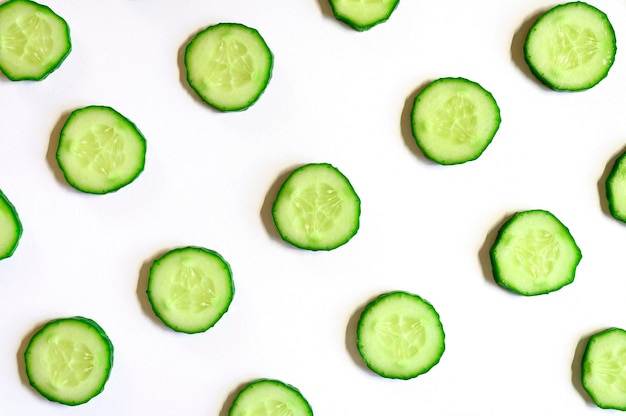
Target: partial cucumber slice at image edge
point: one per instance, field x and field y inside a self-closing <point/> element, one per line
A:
<point x="35" y="40"/>
<point x="316" y="208"/>
<point x="400" y="335"/>
<point x="534" y="254"/>
<point x="69" y="360"/>
<point x="270" y="397"/>
<point x="229" y="66"/>
<point x="571" y="47"/>
<point x="10" y="227"/>
<point x="363" y="15"/>
<point x="100" y="150"/>
<point x="603" y="373"/>
<point x="616" y="188"/>
<point x="190" y="288"/>
<point x="454" y="120"/>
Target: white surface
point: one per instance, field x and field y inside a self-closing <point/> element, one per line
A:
<point x="336" y="96"/>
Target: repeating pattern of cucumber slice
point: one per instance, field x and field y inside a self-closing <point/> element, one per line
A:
<point x="570" y="47"/>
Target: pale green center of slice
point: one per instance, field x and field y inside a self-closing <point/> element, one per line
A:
<point x="29" y="38"/>
<point x="402" y="336"/>
<point x="574" y="47"/>
<point x="537" y="252"/>
<point x="456" y="120"/>
<point x="192" y="290"/>
<point x="69" y="363"/>
<point x="369" y="2"/>
<point x="610" y="368"/>
<point x="231" y="66"/>
<point x="101" y="149"/>
<point x="318" y="207"/>
<point x="272" y="408"/>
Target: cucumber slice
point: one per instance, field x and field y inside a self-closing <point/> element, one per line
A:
<point x="317" y="208"/>
<point x="190" y="288"/>
<point x="534" y="254"/>
<point x="616" y="188"/>
<point x="571" y="47"/>
<point x="454" y="120"/>
<point x="400" y="335"/>
<point x="69" y="360"/>
<point x="228" y="65"/>
<point x="267" y="397"/>
<point x="363" y="14"/>
<point x="34" y="40"/>
<point x="10" y="227"/>
<point x="100" y="150"/>
<point x="604" y="369"/>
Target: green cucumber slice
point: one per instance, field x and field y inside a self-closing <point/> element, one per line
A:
<point x="69" y="360"/>
<point x="363" y="14"/>
<point x="34" y="40"/>
<point x="10" y="227"/>
<point x="400" y="335"/>
<point x="534" y="254"/>
<point x="229" y="66"/>
<point x="454" y="120"/>
<point x="266" y="397"/>
<point x="604" y="369"/>
<point x="317" y="208"/>
<point x="190" y="288"/>
<point x="571" y="47"/>
<point x="100" y="150"/>
<point x="616" y="188"/>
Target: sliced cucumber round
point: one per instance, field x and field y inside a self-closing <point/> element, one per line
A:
<point x="616" y="188"/>
<point x="363" y="15"/>
<point x="69" y="360"/>
<point x="534" y="254"/>
<point x="229" y="66"/>
<point x="604" y="369"/>
<point x="317" y="208"/>
<point x="571" y="47"/>
<point x="190" y="288"/>
<point x="100" y="150"/>
<point x="10" y="227"/>
<point x="270" y="397"/>
<point x="34" y="40"/>
<point x="400" y="335"/>
<point x="454" y="120"/>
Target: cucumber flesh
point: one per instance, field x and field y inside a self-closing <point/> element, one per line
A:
<point x="616" y="188"/>
<point x="317" y="208"/>
<point x="100" y="150"/>
<point x="267" y="397"/>
<point x="400" y="336"/>
<point x="604" y="369"/>
<point x="363" y="15"/>
<point x="69" y="360"/>
<point x="34" y="40"/>
<point x="534" y="254"/>
<point x="571" y="47"/>
<point x="10" y="227"/>
<point x="190" y="288"/>
<point x="454" y="120"/>
<point x="228" y="65"/>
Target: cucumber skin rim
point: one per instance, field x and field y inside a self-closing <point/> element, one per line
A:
<point x="204" y="250"/>
<point x="497" y="275"/>
<point x="126" y="121"/>
<point x="274" y="382"/>
<point x="52" y="68"/>
<point x="103" y="335"/>
<point x="544" y="79"/>
<point x="377" y="300"/>
<point x="487" y="143"/>
<point x="305" y="246"/>
<point x="19" y="228"/>
<point x="584" y="360"/>
<point x="361" y="28"/>
<point x="255" y="98"/>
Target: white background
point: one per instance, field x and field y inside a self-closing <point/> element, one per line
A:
<point x="337" y="96"/>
